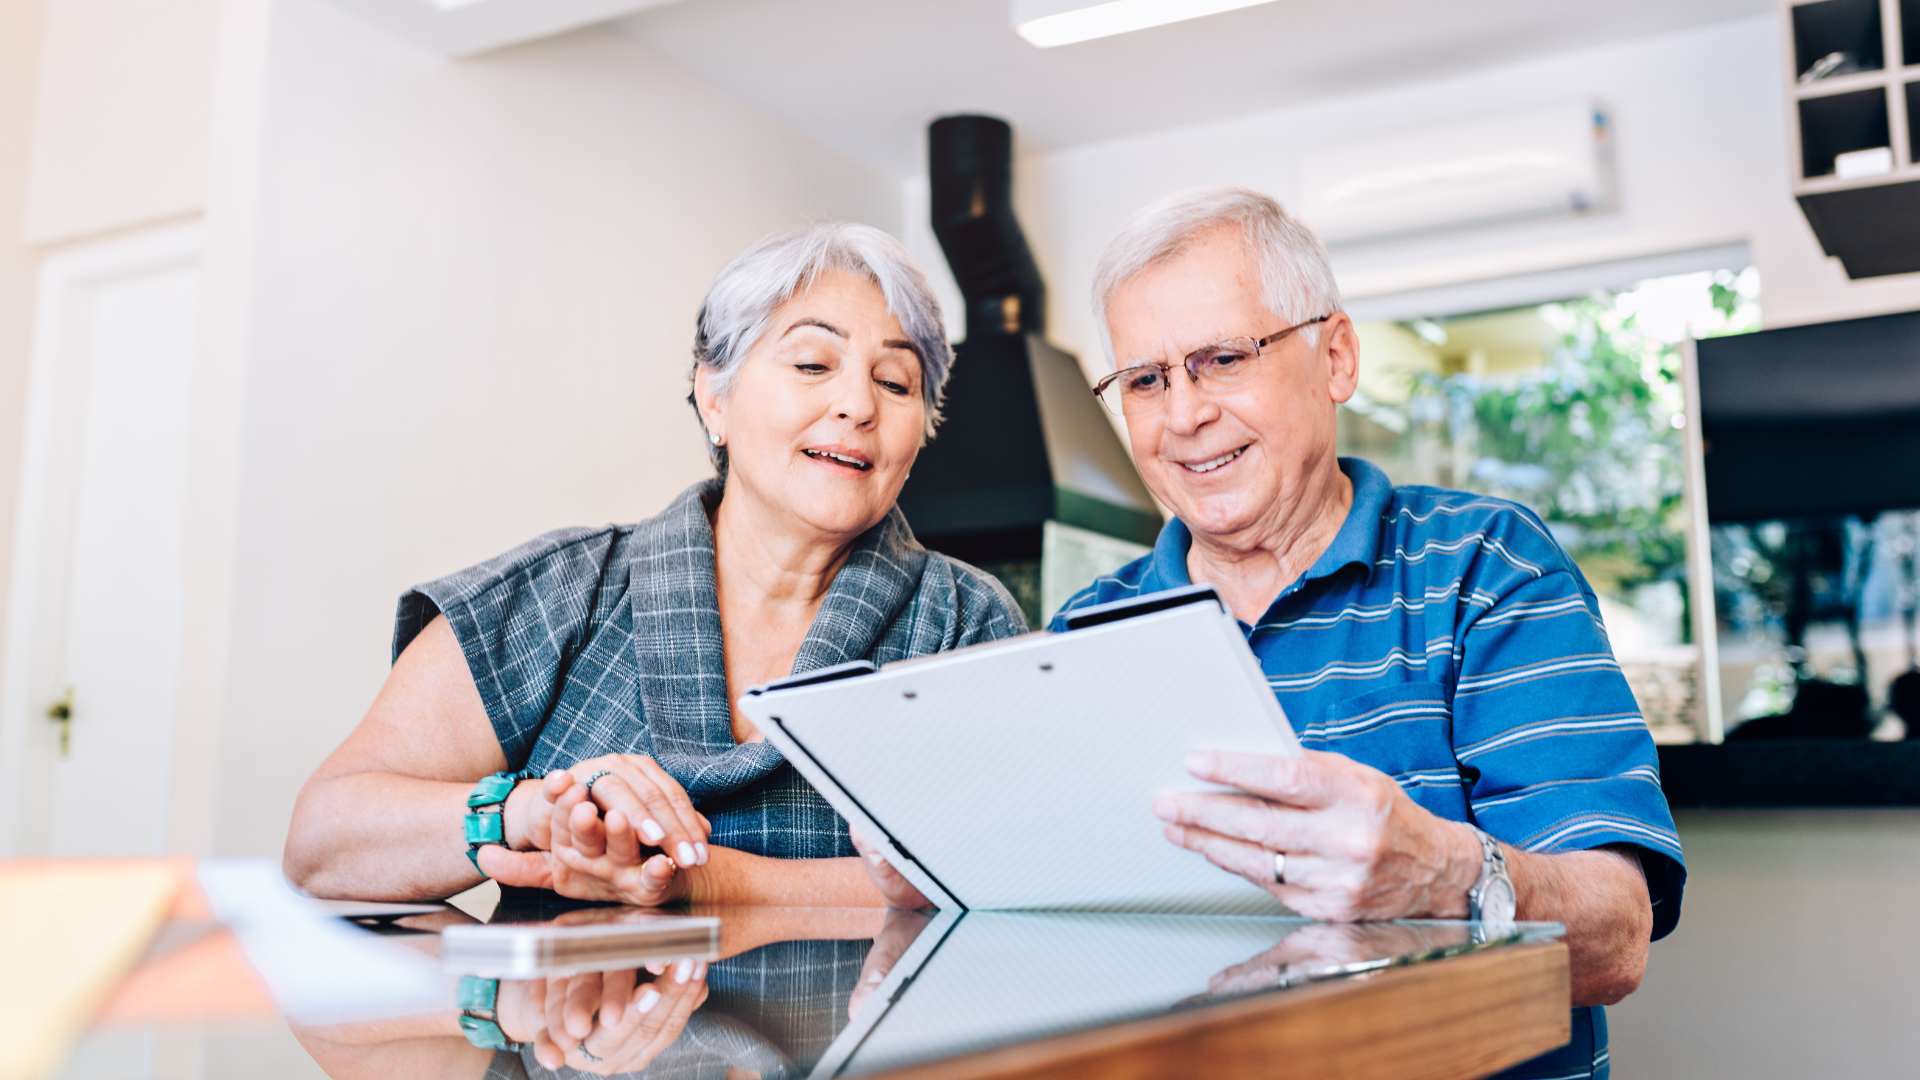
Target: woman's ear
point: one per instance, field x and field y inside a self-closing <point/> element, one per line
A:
<point x="713" y="411"/>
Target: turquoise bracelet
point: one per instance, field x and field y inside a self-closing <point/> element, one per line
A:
<point x="477" y="996"/>
<point x="486" y="821"/>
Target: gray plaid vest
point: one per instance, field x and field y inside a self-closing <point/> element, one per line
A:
<point x="585" y="642"/>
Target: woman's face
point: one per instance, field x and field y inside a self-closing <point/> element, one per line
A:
<point x="825" y="415"/>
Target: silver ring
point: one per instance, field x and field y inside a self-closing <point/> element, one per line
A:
<point x="584" y="1052"/>
<point x="595" y="777"/>
<point x="1279" y="868"/>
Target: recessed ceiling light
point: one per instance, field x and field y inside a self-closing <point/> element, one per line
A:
<point x="1047" y="23"/>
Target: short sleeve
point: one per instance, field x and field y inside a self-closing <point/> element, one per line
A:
<point x="519" y="619"/>
<point x="1551" y="740"/>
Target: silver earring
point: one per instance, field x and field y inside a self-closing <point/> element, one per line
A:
<point x="713" y="437"/>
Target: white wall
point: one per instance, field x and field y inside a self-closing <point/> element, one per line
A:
<point x="20" y="25"/>
<point x="123" y="105"/>
<point x="1794" y="956"/>
<point x="1700" y="141"/>
<point x="1791" y="959"/>
<point x="476" y="286"/>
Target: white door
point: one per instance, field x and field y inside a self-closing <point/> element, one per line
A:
<point x="97" y="600"/>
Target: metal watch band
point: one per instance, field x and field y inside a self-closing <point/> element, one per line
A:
<point x="1493" y="868"/>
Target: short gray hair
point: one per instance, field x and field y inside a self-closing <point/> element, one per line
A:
<point x="1296" y="282"/>
<point x="749" y="289"/>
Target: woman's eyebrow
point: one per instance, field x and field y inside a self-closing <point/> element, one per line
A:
<point x="827" y="326"/>
<point x="901" y="343"/>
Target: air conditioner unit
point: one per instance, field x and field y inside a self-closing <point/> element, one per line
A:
<point x="1549" y="161"/>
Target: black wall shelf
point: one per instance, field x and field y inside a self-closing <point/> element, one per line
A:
<point x="1867" y="213"/>
<point x="1791" y="773"/>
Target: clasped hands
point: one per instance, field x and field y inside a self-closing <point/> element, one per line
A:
<point x="626" y="840"/>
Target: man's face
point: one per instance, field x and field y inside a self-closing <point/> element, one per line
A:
<point x="1229" y="464"/>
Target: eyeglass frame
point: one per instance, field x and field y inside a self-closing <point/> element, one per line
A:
<point x="1260" y="345"/>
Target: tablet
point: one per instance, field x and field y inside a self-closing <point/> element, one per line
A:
<point x="1020" y="774"/>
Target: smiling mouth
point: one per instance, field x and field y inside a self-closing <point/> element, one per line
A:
<point x="845" y="461"/>
<point x="1220" y="462"/>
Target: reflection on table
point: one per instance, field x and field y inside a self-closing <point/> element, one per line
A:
<point x="844" y="992"/>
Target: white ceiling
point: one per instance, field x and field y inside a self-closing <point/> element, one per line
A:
<point x="467" y="27"/>
<point x="865" y="76"/>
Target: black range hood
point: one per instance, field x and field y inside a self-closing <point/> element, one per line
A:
<point x="1024" y="442"/>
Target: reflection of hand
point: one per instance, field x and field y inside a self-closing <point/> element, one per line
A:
<point x="896" y="934"/>
<point x="602" y="1022"/>
<point x="1327" y="948"/>
<point x="895" y="889"/>
<point x="1357" y="847"/>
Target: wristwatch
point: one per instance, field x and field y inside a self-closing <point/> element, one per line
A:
<point x="1490" y="901"/>
<point x="480" y="1014"/>
<point x="486" y="812"/>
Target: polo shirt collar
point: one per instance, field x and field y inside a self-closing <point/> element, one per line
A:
<point x="1357" y="542"/>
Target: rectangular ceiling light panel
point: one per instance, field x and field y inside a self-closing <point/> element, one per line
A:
<point x="1047" y="23"/>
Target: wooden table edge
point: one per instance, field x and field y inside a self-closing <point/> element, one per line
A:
<point x="1465" y="1016"/>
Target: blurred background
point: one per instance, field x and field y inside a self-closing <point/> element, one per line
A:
<point x="305" y="301"/>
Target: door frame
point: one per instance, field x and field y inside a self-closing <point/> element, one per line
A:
<point x="69" y="278"/>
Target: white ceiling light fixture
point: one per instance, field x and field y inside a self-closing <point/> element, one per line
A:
<point x="1048" y="23"/>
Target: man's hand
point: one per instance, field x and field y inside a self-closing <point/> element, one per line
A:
<point x="896" y="934"/>
<point x="1356" y="846"/>
<point x="895" y="889"/>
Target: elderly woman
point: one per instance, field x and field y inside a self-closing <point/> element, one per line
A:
<point x="567" y="704"/>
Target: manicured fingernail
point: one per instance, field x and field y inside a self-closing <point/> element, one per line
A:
<point x="646" y="1001"/>
<point x="687" y="858"/>
<point x="682" y="971"/>
<point x="1163" y="806"/>
<point x="701" y="848"/>
<point x="876" y="858"/>
<point x="700" y="970"/>
<point x="1199" y="762"/>
<point x="875" y="975"/>
<point x="652" y="831"/>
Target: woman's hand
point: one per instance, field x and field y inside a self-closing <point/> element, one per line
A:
<point x="897" y="890"/>
<point x="606" y="861"/>
<point x="609" y="844"/>
<point x="654" y="804"/>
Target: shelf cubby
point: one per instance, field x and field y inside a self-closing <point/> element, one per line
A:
<point x="1912" y="90"/>
<point x="1839" y="26"/>
<point x="1841" y="123"/>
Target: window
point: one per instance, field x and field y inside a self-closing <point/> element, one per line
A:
<point x="1574" y="408"/>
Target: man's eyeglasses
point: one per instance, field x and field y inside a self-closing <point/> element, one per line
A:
<point x="1217" y="367"/>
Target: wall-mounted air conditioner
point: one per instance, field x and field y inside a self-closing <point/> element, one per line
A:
<point x="1549" y="161"/>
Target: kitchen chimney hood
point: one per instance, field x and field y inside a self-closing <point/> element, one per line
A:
<point x="1024" y="442"/>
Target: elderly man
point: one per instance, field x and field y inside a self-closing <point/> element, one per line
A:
<point x="1472" y="748"/>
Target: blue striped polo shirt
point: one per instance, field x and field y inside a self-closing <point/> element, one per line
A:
<point x="1445" y="639"/>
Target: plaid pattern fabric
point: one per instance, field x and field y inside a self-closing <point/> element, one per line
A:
<point x="585" y="642"/>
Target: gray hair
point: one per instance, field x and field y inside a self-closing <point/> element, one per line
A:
<point x="749" y="289"/>
<point x="1296" y="283"/>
